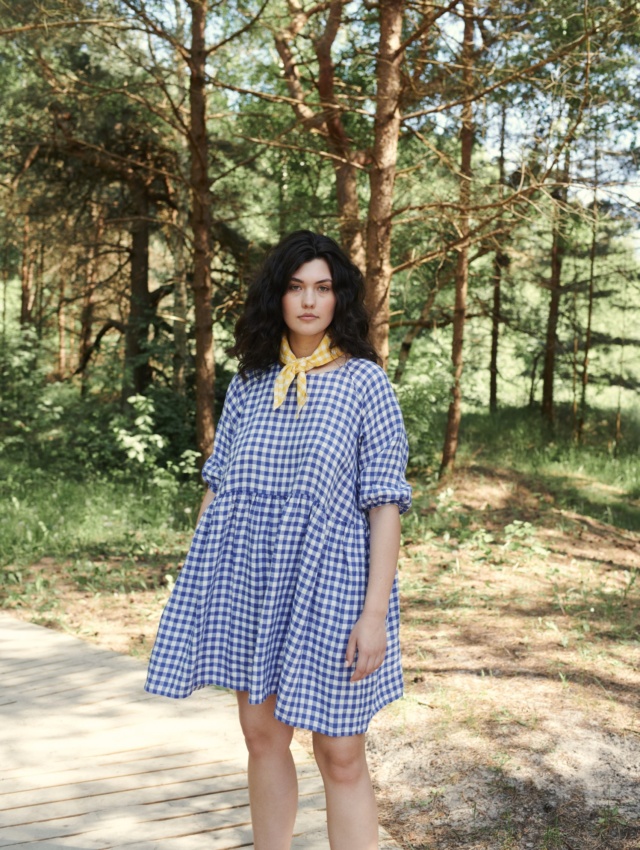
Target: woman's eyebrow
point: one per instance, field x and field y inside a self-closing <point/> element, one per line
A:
<point x="322" y="280"/>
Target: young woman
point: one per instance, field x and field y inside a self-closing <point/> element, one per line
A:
<point x="289" y="592"/>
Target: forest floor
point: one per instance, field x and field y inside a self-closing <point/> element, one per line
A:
<point x="520" y="726"/>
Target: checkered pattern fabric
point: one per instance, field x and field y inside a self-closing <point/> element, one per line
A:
<point x="277" y="572"/>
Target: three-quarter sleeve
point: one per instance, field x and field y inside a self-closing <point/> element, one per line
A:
<point x="215" y="466"/>
<point x="383" y="448"/>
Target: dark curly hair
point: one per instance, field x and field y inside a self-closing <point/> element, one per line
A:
<point x="259" y="330"/>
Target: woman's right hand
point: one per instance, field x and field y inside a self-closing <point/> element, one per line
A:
<point x="209" y="496"/>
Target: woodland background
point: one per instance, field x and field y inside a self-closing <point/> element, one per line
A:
<point x="479" y="162"/>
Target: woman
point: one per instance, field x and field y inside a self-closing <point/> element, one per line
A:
<point x="289" y="592"/>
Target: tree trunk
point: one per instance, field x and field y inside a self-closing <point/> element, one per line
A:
<point x="27" y="294"/>
<point x="346" y="173"/>
<point x="180" y="339"/>
<point x="39" y="289"/>
<point x="383" y="173"/>
<point x="62" y="332"/>
<point x="374" y="257"/>
<point x="558" y="247"/>
<point x="534" y="373"/>
<point x="137" y="370"/>
<point x="201" y="228"/>
<point x="574" y="365"/>
<point x="548" y="369"/>
<point x="413" y="332"/>
<point x="462" y="268"/>
<point x="500" y="261"/>
<point x="592" y="278"/>
<point x="177" y="235"/>
<point x="88" y="301"/>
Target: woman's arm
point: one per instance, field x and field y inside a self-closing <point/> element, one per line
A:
<point x="369" y="635"/>
<point x="206" y="501"/>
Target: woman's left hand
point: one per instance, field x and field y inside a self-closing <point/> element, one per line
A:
<point x="369" y="638"/>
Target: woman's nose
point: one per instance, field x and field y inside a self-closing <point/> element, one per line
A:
<point x="308" y="297"/>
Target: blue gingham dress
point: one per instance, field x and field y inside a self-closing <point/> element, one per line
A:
<point x="277" y="571"/>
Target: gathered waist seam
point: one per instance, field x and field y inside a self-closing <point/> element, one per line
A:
<point x="286" y="496"/>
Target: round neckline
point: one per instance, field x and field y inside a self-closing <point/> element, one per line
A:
<point x="329" y="371"/>
<point x="321" y="374"/>
<point x="277" y="367"/>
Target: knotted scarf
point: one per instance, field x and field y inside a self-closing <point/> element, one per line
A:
<point x="300" y="366"/>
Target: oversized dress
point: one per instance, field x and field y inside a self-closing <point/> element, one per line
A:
<point x="276" y="575"/>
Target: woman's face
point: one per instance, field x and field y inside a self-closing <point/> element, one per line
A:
<point x="309" y="301"/>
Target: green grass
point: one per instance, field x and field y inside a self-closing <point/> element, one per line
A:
<point x="518" y="437"/>
<point x="599" y="478"/>
<point x="47" y="515"/>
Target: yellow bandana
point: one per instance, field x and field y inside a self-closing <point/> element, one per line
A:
<point x="300" y="366"/>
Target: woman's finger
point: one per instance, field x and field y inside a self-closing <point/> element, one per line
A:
<point x="351" y="650"/>
<point x="367" y="664"/>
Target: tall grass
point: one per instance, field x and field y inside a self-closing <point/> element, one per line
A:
<point x="517" y="438"/>
<point x="44" y="513"/>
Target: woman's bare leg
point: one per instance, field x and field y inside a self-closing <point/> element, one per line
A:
<point x="352" y="814"/>
<point x="273" y="784"/>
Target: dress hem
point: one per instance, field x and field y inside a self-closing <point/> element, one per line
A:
<point x="359" y="729"/>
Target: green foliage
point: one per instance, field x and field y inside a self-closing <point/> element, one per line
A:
<point x="598" y="478"/>
<point x="136" y="436"/>
<point x="517" y="437"/>
<point x="609" y="820"/>
<point x="423" y="395"/>
<point x="22" y="377"/>
<point x="47" y="514"/>
<point x="52" y="426"/>
<point x="421" y="420"/>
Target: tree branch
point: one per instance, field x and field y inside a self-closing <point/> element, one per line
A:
<point x="112" y="324"/>
<point x="89" y="22"/>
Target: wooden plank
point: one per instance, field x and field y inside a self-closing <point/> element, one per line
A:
<point x="124" y="827"/>
<point x="157" y="764"/>
<point x="92" y="762"/>
<point x="155" y="818"/>
<point x="206" y="795"/>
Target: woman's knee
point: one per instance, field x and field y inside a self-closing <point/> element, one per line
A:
<point x="263" y="734"/>
<point x="341" y="760"/>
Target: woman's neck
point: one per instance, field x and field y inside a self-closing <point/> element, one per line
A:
<point x="304" y="346"/>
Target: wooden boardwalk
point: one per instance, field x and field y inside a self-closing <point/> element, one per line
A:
<point x="90" y="761"/>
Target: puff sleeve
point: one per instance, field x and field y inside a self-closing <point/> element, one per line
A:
<point x="383" y="448"/>
<point x="215" y="466"/>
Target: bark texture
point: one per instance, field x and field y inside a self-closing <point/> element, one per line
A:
<point x="345" y="168"/>
<point x="462" y="266"/>
<point x="88" y="300"/>
<point x="27" y="292"/>
<point x="414" y="331"/>
<point x="201" y="230"/>
<point x="368" y="243"/>
<point x="500" y="262"/>
<point x="180" y="339"/>
<point x="382" y="174"/>
<point x="558" y="248"/>
<point x="62" y="330"/>
<point x="137" y="369"/>
<point x="591" y="293"/>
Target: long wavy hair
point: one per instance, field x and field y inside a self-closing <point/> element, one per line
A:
<point x="259" y="330"/>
